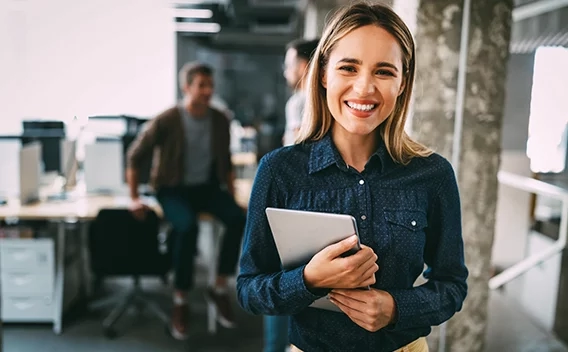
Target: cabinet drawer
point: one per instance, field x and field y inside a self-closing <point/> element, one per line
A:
<point x="22" y="308"/>
<point x="26" y="254"/>
<point x="23" y="281"/>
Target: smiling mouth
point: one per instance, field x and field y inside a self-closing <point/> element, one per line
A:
<point x="361" y="107"/>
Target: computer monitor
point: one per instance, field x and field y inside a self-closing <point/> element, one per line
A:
<point x="103" y="166"/>
<point x="10" y="176"/>
<point x="126" y="128"/>
<point x="49" y="134"/>
<point x="30" y="172"/>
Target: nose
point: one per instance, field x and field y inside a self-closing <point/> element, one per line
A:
<point x="364" y="85"/>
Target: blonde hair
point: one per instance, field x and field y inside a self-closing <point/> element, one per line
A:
<point x="317" y="119"/>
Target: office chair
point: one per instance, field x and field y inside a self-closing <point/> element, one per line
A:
<point x="120" y="245"/>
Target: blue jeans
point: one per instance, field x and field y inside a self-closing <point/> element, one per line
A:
<point x="181" y="206"/>
<point x="275" y="333"/>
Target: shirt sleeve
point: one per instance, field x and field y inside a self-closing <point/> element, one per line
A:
<point x="142" y="147"/>
<point x="442" y="296"/>
<point x="262" y="286"/>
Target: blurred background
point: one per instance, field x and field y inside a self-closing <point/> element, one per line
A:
<point x="79" y="79"/>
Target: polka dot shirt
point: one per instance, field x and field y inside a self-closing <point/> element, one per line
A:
<point x="409" y="215"/>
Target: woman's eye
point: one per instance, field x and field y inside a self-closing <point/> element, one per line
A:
<point x="347" y="68"/>
<point x="385" y="73"/>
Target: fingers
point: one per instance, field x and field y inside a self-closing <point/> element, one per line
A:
<point x="346" y="298"/>
<point x="369" y="275"/>
<point x="337" y="249"/>
<point x="352" y="314"/>
<point x="354" y="309"/>
<point x="365" y="254"/>
<point x="361" y="261"/>
<point x="361" y="313"/>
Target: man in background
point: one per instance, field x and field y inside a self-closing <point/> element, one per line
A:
<point x="298" y="55"/>
<point x="192" y="172"/>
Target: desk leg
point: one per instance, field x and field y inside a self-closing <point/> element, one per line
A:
<point x="87" y="280"/>
<point x="59" y="272"/>
<point x="211" y="309"/>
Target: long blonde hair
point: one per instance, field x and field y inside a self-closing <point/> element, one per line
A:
<point x="317" y="119"/>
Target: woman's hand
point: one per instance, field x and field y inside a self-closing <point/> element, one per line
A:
<point x="328" y="269"/>
<point x="370" y="309"/>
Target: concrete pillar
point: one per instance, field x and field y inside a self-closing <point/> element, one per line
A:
<point x="439" y="25"/>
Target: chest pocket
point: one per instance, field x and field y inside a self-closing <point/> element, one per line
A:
<point x="407" y="233"/>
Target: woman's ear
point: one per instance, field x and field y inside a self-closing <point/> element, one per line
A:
<point x="402" y="87"/>
<point x="324" y="78"/>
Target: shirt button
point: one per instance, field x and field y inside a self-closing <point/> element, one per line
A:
<point x="361" y="182"/>
<point x="363" y="217"/>
<point x="413" y="223"/>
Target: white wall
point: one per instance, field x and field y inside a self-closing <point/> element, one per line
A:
<point x="65" y="58"/>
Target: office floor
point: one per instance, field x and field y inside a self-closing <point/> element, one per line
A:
<point x="138" y="332"/>
<point x="508" y="330"/>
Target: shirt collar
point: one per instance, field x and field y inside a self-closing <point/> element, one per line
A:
<point x="324" y="154"/>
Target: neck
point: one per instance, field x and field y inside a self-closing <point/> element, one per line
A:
<point x="196" y="110"/>
<point x="354" y="149"/>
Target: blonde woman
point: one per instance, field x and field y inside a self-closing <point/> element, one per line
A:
<point x="354" y="157"/>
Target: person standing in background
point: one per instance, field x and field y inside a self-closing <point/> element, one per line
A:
<point x="192" y="173"/>
<point x="298" y="55"/>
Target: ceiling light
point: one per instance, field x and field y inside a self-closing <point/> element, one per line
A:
<point x="198" y="27"/>
<point x="193" y="13"/>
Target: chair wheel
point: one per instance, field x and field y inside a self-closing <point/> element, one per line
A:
<point x="109" y="333"/>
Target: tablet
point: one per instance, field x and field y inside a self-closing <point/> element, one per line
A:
<point x="299" y="235"/>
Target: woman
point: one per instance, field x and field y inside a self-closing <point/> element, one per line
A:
<point x="355" y="158"/>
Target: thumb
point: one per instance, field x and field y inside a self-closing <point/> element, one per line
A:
<point x="337" y="249"/>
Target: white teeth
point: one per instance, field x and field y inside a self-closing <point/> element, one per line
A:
<point x="361" y="107"/>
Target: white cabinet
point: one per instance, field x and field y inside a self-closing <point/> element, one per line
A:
<point x="27" y="269"/>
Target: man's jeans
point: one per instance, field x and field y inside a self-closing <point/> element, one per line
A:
<point x="181" y="206"/>
<point x="275" y="333"/>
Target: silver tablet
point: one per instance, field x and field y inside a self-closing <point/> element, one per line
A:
<point x="299" y="235"/>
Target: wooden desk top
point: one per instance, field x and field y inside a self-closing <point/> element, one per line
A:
<point x="86" y="207"/>
<point x="243" y="159"/>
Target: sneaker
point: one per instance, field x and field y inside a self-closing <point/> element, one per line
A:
<point x="180" y="322"/>
<point x="221" y="301"/>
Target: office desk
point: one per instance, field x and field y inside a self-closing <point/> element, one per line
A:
<point x="243" y="158"/>
<point x="82" y="209"/>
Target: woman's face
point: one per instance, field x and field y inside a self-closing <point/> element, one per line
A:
<point x="363" y="78"/>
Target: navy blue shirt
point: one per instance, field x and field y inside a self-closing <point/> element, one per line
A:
<point x="409" y="215"/>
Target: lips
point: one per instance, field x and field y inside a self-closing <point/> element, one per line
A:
<point x="361" y="109"/>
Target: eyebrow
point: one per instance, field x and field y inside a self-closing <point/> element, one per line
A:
<point x="359" y="62"/>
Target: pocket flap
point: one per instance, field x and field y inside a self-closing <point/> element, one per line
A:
<point x="411" y="219"/>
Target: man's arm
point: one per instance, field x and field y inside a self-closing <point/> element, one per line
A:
<point x="132" y="180"/>
<point x="141" y="149"/>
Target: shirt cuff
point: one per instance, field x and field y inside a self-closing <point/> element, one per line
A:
<point x="295" y="287"/>
<point x="404" y="300"/>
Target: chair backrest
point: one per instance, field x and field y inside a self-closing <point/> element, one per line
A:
<point x="122" y="245"/>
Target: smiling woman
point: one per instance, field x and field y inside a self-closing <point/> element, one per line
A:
<point x="353" y="157"/>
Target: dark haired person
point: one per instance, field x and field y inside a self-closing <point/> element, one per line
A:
<point x="298" y="55"/>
